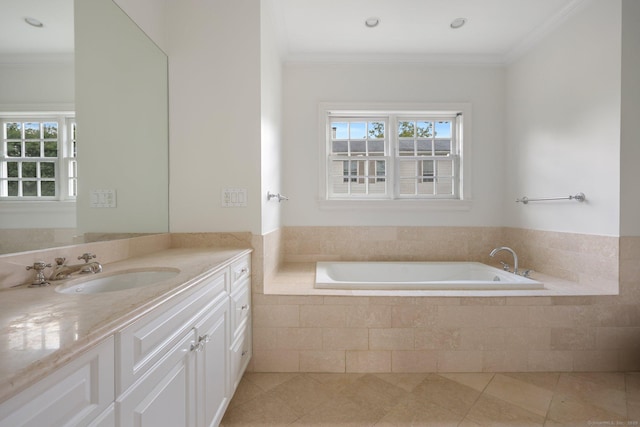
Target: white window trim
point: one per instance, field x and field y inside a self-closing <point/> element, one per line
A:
<point x="64" y="203"/>
<point x="435" y="204"/>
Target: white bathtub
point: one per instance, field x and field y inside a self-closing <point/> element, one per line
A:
<point x="418" y="276"/>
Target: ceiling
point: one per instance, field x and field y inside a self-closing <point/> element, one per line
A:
<point x="55" y="37"/>
<point x="321" y="30"/>
<point x="414" y="30"/>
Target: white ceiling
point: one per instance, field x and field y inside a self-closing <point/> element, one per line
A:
<point x="55" y="37"/>
<point x="414" y="30"/>
<point x="409" y="30"/>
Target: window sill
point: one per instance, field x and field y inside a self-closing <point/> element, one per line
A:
<point x="395" y="205"/>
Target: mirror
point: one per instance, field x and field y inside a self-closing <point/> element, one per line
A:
<point x="121" y="104"/>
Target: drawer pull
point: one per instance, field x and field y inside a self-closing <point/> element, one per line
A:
<point x="244" y="353"/>
<point x="244" y="270"/>
<point x="244" y="307"/>
<point x="202" y="341"/>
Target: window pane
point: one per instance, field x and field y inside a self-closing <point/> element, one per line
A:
<point x="406" y="129"/>
<point x="358" y="147"/>
<point x="376" y="130"/>
<point x="426" y="187"/>
<point x="339" y="185"/>
<point x="406" y="148"/>
<point x="47" y="170"/>
<point x="358" y="130"/>
<point x="29" y="170"/>
<point x="424" y="129"/>
<point x="48" y="188"/>
<point x="444" y="186"/>
<point x="12" y="188"/>
<point x="427" y="170"/>
<point x="51" y="149"/>
<point x="376" y="148"/>
<point x="443" y="147"/>
<point x="340" y="130"/>
<point x="339" y="147"/>
<point x="29" y="188"/>
<point x="32" y="149"/>
<point x="12" y="169"/>
<point x="14" y="149"/>
<point x="445" y="168"/>
<point x="32" y="130"/>
<point x="443" y="129"/>
<point x="408" y="169"/>
<point x="50" y="130"/>
<point x="407" y="186"/>
<point x="424" y="148"/>
<point x="13" y="131"/>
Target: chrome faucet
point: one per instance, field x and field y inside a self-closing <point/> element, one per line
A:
<point x="63" y="271"/>
<point x="515" y="257"/>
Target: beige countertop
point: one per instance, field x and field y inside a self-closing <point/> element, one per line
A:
<point x="42" y="329"/>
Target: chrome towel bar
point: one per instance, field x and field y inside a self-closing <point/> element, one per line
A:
<point x="579" y="197"/>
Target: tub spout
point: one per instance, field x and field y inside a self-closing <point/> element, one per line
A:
<point x="515" y="257"/>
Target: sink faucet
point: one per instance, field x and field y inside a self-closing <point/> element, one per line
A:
<point x="515" y="257"/>
<point x="63" y="271"/>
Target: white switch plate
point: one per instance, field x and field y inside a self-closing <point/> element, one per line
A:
<point x="234" y="197"/>
<point x="102" y="198"/>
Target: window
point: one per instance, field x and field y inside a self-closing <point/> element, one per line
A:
<point x="38" y="158"/>
<point x="392" y="155"/>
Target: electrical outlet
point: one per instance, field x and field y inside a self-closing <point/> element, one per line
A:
<point x="102" y="198"/>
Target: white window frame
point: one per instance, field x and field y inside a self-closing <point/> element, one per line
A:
<point x="462" y="198"/>
<point x="66" y="181"/>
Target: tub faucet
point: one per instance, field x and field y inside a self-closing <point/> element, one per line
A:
<point x="63" y="271"/>
<point x="515" y="257"/>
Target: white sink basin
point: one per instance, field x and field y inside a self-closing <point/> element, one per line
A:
<point x="118" y="282"/>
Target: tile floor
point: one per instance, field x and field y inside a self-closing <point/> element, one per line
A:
<point x="460" y="399"/>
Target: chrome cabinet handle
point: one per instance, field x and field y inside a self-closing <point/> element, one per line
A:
<point x="202" y="341"/>
<point x="244" y="307"/>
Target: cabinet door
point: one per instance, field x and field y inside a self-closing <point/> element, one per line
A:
<point x="212" y="361"/>
<point x="73" y="395"/>
<point x="165" y="395"/>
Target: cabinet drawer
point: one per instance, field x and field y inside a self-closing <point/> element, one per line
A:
<point x="240" y="308"/>
<point x="240" y="356"/>
<point x="240" y="270"/>
<point x="143" y="343"/>
<point x="73" y="395"/>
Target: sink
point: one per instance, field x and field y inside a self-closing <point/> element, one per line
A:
<point x="118" y="281"/>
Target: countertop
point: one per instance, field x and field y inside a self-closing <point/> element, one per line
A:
<point x="43" y="329"/>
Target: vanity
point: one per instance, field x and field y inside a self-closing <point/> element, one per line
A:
<point x="167" y="354"/>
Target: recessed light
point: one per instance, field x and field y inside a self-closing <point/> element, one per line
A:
<point x="33" y="22"/>
<point x="458" y="22"/>
<point x="372" y="22"/>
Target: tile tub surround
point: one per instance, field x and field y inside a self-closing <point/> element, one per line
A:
<point x="298" y="333"/>
<point x="43" y="329"/>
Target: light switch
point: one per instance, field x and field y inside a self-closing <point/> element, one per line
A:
<point x="102" y="198"/>
<point x="234" y="197"/>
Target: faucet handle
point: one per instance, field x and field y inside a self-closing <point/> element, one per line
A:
<point x="505" y="266"/>
<point x="60" y="261"/>
<point x="87" y="256"/>
<point x="527" y="273"/>
<point x="38" y="266"/>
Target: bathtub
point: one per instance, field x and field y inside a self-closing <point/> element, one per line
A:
<point x="418" y="276"/>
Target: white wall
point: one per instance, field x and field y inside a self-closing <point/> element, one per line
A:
<point x="630" y="123"/>
<point x="150" y="16"/>
<point x="306" y="85"/>
<point x="215" y="129"/>
<point x="37" y="85"/>
<point x="271" y="118"/>
<point x="563" y="125"/>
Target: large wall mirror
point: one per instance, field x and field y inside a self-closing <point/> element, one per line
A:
<point x="115" y="79"/>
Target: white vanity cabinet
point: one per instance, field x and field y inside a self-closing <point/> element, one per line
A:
<point x="80" y="393"/>
<point x="173" y="364"/>
<point x="177" y="365"/>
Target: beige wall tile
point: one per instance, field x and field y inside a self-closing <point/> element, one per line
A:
<point x="414" y="361"/>
<point x="573" y="338"/>
<point x="345" y="339"/>
<point x="368" y="361"/>
<point x="274" y="316"/>
<point x="276" y="360"/>
<point x="595" y="360"/>
<point x="550" y="360"/>
<point x="391" y="339"/>
<point x="324" y="316"/>
<point x="511" y="360"/>
<point x="437" y="338"/>
<point x="322" y="361"/>
<point x="369" y="316"/>
<point x="299" y="339"/>
<point x="413" y="316"/>
<point x="459" y="361"/>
